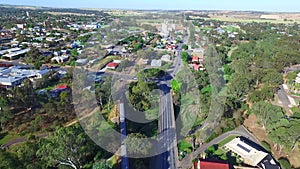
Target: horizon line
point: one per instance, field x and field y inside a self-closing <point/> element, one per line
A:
<point x="141" y="9"/>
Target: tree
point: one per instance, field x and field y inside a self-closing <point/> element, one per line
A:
<point x="5" y="114"/>
<point x="68" y="146"/>
<point x="175" y="85"/>
<point x="185" y="47"/>
<point x="9" y="160"/>
<point x="25" y="95"/>
<point x="101" y="165"/>
<point x="139" y="95"/>
<point x="267" y="113"/>
<point x="137" y="144"/>
<point x="185" y="56"/>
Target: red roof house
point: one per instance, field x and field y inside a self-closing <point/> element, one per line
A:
<point x="112" y="65"/>
<point x="62" y="87"/>
<point x="195" y="59"/>
<point x="210" y="165"/>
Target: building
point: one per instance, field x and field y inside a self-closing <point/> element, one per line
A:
<point x="14" y="75"/>
<point x="201" y="164"/>
<point x="166" y="58"/>
<point x="249" y="153"/>
<point x="16" y="54"/>
<point x="156" y="63"/>
<point x="112" y="65"/>
<point x="60" y="59"/>
<point x="81" y="62"/>
<point x="195" y="59"/>
<point x="60" y="88"/>
<point x="145" y="61"/>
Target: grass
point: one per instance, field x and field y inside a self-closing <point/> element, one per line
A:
<point x="8" y="138"/>
<point x="245" y="20"/>
<point x="106" y="60"/>
<point x="226" y="140"/>
<point x="184" y="146"/>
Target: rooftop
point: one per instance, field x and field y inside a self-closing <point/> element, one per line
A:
<point x="249" y="153"/>
<point x="210" y="165"/>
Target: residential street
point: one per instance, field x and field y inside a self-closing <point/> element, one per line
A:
<point x="186" y="162"/>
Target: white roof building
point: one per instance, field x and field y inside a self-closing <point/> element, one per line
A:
<point x="250" y="155"/>
<point x="156" y="63"/>
<point x="14" y="76"/>
<point x="166" y="58"/>
<point x="60" y="59"/>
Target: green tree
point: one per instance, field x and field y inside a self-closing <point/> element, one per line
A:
<point x="185" y="56"/>
<point x="25" y="95"/>
<point x="9" y="160"/>
<point x="102" y="165"/>
<point x="267" y="113"/>
<point x="68" y="147"/>
<point x="139" y="95"/>
<point x="137" y="144"/>
<point x="5" y="114"/>
<point x="185" y="47"/>
<point x="175" y="85"/>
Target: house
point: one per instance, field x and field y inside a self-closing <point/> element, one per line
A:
<point x="15" y="75"/>
<point x="166" y="58"/>
<point x="60" y="59"/>
<point x="16" y="54"/>
<point x="201" y="164"/>
<point x="156" y="63"/>
<point x="56" y="92"/>
<point x="145" y="61"/>
<point x="249" y="152"/>
<point x="81" y="62"/>
<point x="170" y="47"/>
<point x="112" y="65"/>
<point x="195" y="59"/>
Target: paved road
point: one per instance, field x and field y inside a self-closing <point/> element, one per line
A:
<point x="282" y="96"/>
<point x="186" y="162"/>
<point x="166" y="123"/>
<point x="125" y="164"/>
<point x="167" y="131"/>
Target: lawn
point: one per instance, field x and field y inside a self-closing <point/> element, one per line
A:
<point x="106" y="60"/>
<point x="226" y="140"/>
<point x="184" y="146"/>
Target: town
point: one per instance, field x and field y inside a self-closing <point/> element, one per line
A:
<point x="110" y="89"/>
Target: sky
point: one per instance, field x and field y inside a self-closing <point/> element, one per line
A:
<point x="240" y="5"/>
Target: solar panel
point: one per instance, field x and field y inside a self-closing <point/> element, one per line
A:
<point x="244" y="148"/>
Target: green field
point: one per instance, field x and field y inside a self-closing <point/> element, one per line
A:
<point x="248" y="20"/>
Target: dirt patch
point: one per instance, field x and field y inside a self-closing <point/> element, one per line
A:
<point x="260" y="133"/>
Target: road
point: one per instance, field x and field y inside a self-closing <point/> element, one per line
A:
<point x="282" y="96"/>
<point x="186" y="162"/>
<point x="166" y="123"/>
<point x="21" y="140"/>
<point x="167" y="131"/>
<point x="125" y="164"/>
